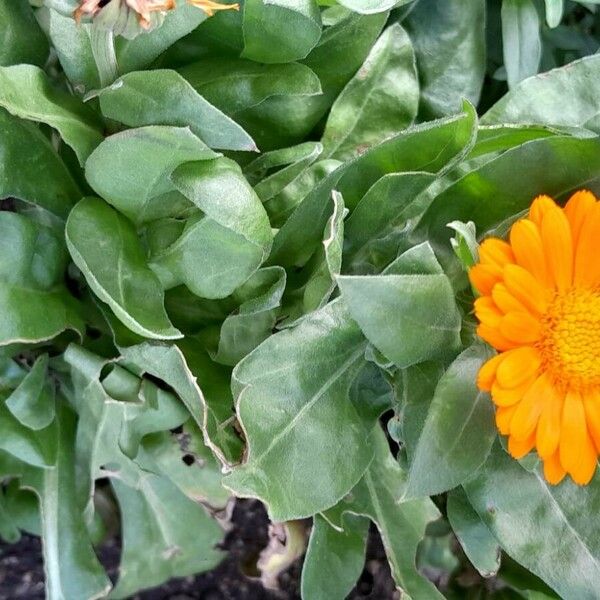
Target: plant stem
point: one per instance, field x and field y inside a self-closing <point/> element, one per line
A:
<point x="103" y="48"/>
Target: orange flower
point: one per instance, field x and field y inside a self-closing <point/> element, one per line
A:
<point x="540" y="308"/>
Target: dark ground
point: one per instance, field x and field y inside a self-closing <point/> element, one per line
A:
<point x="22" y="577"/>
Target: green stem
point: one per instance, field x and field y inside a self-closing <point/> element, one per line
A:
<point x="103" y="48"/>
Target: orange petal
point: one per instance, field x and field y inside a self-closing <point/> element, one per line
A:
<point x="558" y="247"/>
<point x="504" y="417"/>
<point x="539" y="207"/>
<point x="526" y="289"/>
<point x="520" y="327"/>
<point x="577" y="453"/>
<point x="483" y="278"/>
<point x="526" y="243"/>
<point x="494" y="338"/>
<point x="553" y="470"/>
<point x="496" y="252"/>
<point x="508" y="397"/>
<point x="548" y="429"/>
<point x="487" y="312"/>
<point x="577" y="210"/>
<point x="209" y="7"/>
<point x="587" y="265"/>
<point x="519" y="448"/>
<point x="487" y="373"/>
<point x="591" y="403"/>
<point x="528" y="411"/>
<point x="505" y="301"/>
<point x="518" y="366"/>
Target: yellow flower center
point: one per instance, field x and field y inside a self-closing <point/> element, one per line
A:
<point x="570" y="341"/>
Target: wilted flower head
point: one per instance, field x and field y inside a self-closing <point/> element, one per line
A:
<point x="126" y="17"/>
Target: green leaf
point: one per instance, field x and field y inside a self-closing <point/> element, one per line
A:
<point x="458" y="432"/>
<point x="159" y="544"/>
<point x="235" y="85"/>
<point x="23" y="508"/>
<point x="343" y="47"/>
<point x="121" y="335"/>
<point x="72" y="43"/>
<point x="10" y="466"/>
<point x="105" y="247"/>
<point x="22" y="39"/>
<point x="64" y="7"/>
<point x="376" y="227"/>
<point x="219" y="251"/>
<point x="192" y="314"/>
<point x="476" y="540"/>
<point x="11" y="373"/>
<point x="341" y="51"/>
<point x="464" y="243"/>
<point x="25" y="92"/>
<point x="540" y="99"/>
<point x="440" y="29"/>
<point x="527" y="516"/>
<point x="152" y="154"/>
<point x="554" y="12"/>
<point x="381" y="100"/>
<point x="429" y="147"/>
<point x="139" y="53"/>
<point x="281" y="191"/>
<point x="32" y="403"/>
<point x="426" y="322"/>
<point x="37" y="448"/>
<point x="220" y="35"/>
<point x="220" y="431"/>
<point x="369" y="7"/>
<point x="557" y="165"/>
<point x="115" y="412"/>
<point x="285" y="204"/>
<point x="253" y="321"/>
<point x="163" y="97"/>
<point x="268" y="101"/>
<point x="493" y="139"/>
<point x="70" y="565"/>
<point x="212" y="407"/>
<point x="521" y="39"/>
<point x="213" y="187"/>
<point x="290" y="394"/>
<point x="401" y="524"/>
<point x="9" y="531"/>
<point x="280" y="31"/>
<point x="286" y="118"/>
<point x="311" y="288"/>
<point x="414" y="388"/>
<point x="199" y="478"/>
<point x="34" y="303"/>
<point x="31" y="170"/>
<point x="334" y="559"/>
<point x="278" y="189"/>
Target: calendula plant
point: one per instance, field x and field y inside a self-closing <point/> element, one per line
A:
<point x="337" y="257"/>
